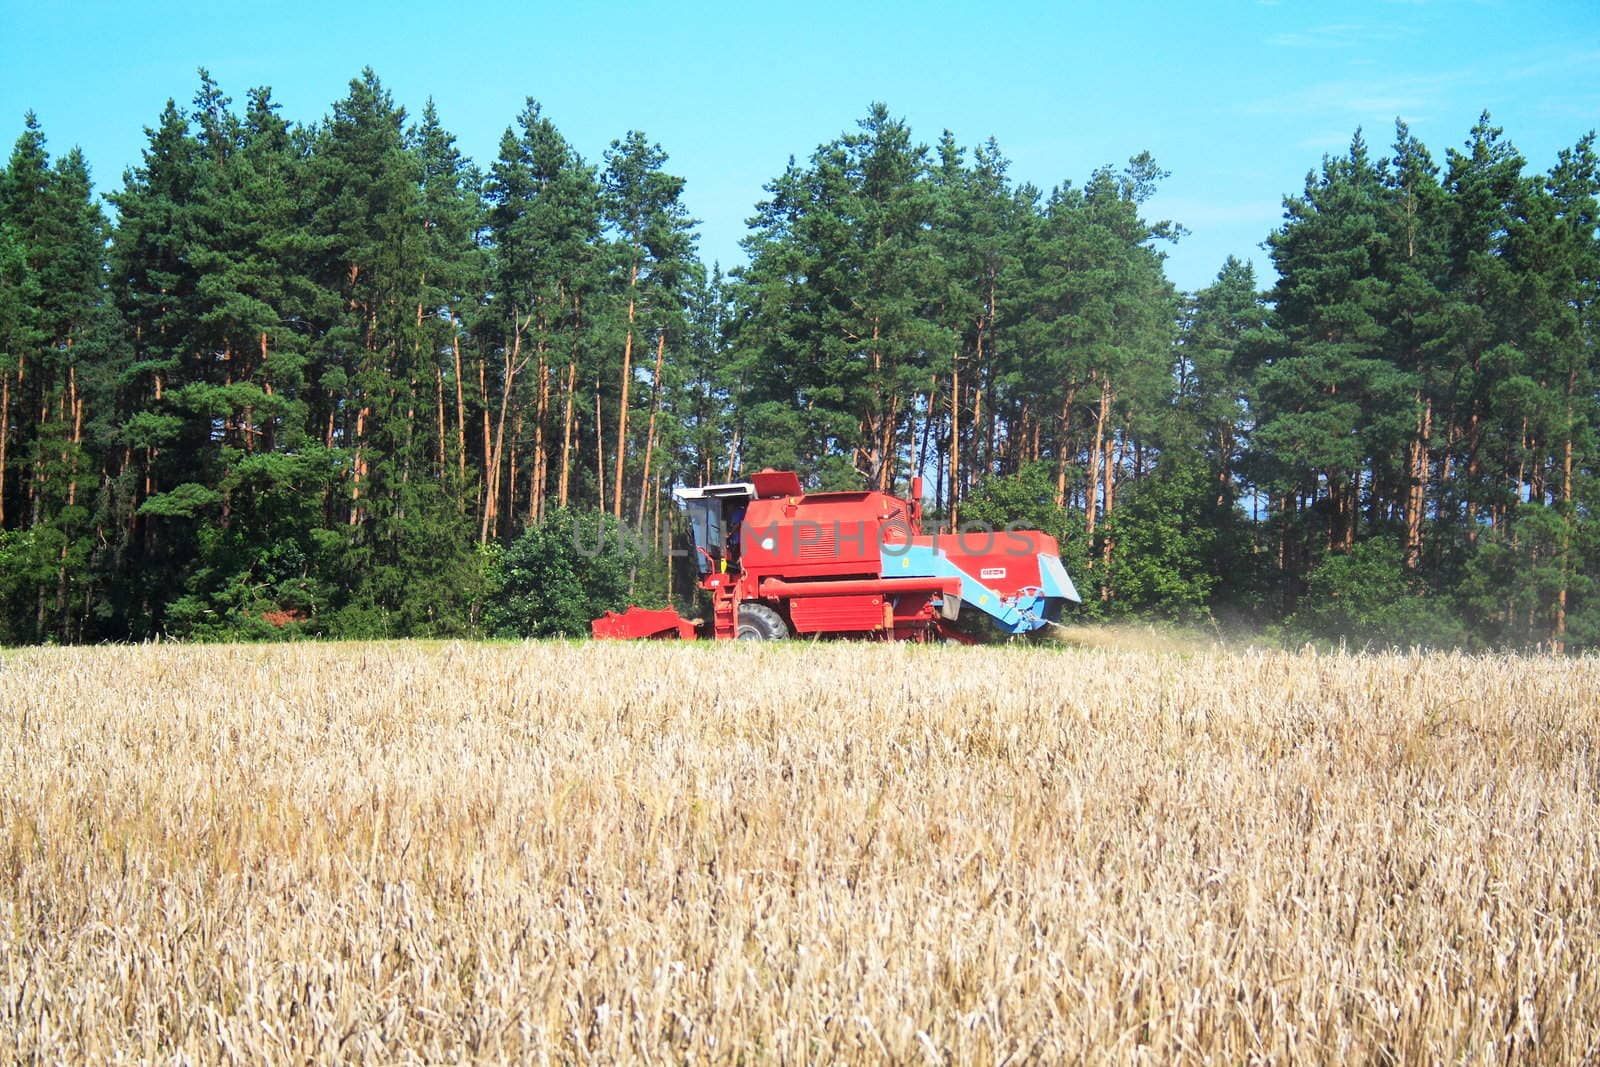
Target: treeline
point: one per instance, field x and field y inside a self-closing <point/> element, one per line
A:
<point x="313" y="373"/>
<point x="337" y="379"/>
<point x="1424" y="392"/>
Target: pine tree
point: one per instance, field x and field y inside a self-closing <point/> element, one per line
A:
<point x="545" y="223"/>
<point x="970" y="280"/>
<point x="450" y="286"/>
<point x="1212" y="385"/>
<point x="1325" y="388"/>
<point x="372" y="385"/>
<point x="57" y="246"/>
<point x="1552" y="251"/>
<point x="654" y="246"/>
<point x="1414" y="271"/>
<point x="153" y="284"/>
<point x="829" y="361"/>
<point x="1482" y="184"/>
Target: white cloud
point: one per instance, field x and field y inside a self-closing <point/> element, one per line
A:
<point x="1364" y="99"/>
<point x="1581" y="59"/>
<point x="1416" y="97"/>
<point x="1581" y="108"/>
<point x="1340" y="35"/>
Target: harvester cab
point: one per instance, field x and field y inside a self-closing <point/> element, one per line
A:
<point x="715" y="513"/>
<point x="778" y="561"/>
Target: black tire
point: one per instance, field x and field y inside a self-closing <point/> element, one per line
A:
<point x="757" y="622"/>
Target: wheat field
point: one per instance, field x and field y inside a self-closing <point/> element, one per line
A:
<point x="796" y="853"/>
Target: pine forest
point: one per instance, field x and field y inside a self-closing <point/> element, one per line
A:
<point x="333" y="378"/>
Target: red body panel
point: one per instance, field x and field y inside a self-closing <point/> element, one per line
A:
<point x="836" y="614"/>
<point x="660" y="623"/>
<point x="1007" y="561"/>
<point x="777" y="587"/>
<point x="819" y="535"/>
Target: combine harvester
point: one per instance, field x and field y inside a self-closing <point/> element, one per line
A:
<point x="779" y="561"/>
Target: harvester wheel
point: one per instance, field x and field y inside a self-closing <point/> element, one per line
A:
<point x="757" y="622"/>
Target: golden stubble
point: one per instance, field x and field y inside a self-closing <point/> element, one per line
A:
<point x="797" y="853"/>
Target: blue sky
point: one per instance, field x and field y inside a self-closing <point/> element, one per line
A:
<point x="1238" y="99"/>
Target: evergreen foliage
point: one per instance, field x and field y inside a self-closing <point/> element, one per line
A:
<point x="335" y="379"/>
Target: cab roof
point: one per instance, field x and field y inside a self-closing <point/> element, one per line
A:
<point x="771" y="483"/>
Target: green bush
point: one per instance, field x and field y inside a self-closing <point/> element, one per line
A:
<point x="1167" y="533"/>
<point x="1366" y="598"/>
<point x="561" y="574"/>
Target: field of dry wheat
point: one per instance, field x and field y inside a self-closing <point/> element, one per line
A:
<point x="796" y="854"/>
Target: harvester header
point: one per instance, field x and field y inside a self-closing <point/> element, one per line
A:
<point x="779" y="561"/>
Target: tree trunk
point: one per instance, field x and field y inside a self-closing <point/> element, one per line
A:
<point x="1335" y="512"/>
<point x="461" y="417"/>
<point x="357" y="466"/>
<point x="1523" y="447"/>
<point x="1536" y="477"/>
<point x="441" y="460"/>
<point x="541" y="485"/>
<point x="491" y="500"/>
<point x="650" y="435"/>
<point x="872" y="428"/>
<point x="75" y="403"/>
<point x="987" y="370"/>
<point x="150" y="454"/>
<point x="1114" y="444"/>
<point x="907" y="447"/>
<point x="411" y="436"/>
<point x="488" y="451"/>
<point x="266" y="388"/>
<point x="885" y="445"/>
<point x="5" y="432"/>
<point x="1558" y="637"/>
<point x="599" y="453"/>
<point x="975" y="465"/>
<point x="1017" y="439"/>
<point x="566" y="434"/>
<point x="955" y="438"/>
<point x="622" y="402"/>
<point x="1091" y="492"/>
<point x="1062" y="447"/>
<point x="655" y="521"/>
<point x="991" y="435"/>
<point x="1473" y="439"/>
<point x="1225" y="474"/>
<point x="1289" y="553"/>
<point x="1113" y="466"/>
<point x="1417" y="487"/>
<point x="541" y="459"/>
<point x="927" y="425"/>
<point x="511" y="473"/>
<point x="1347" y="512"/>
<point x="1447" y="463"/>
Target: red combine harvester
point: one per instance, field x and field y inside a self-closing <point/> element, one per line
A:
<point x="779" y="561"/>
